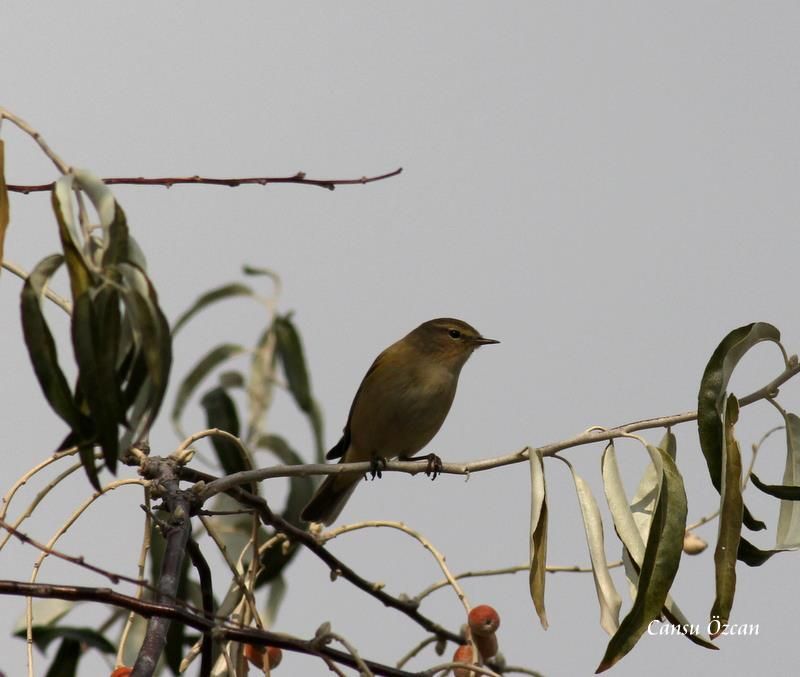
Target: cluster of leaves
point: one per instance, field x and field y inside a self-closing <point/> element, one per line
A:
<point x="278" y="346"/>
<point x="651" y="527"/>
<point x="120" y="337"/>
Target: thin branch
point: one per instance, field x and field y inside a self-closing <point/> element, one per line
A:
<point x="323" y="639"/>
<point x="518" y="568"/>
<point x="60" y="301"/>
<point x="193" y="620"/>
<point x="78" y="561"/>
<point x="590" y="436"/>
<point x="440" y="560"/>
<point x="169" y="181"/>
<point x="415" y="650"/>
<point x="62" y="166"/>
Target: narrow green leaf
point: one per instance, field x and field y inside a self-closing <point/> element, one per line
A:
<point x="5" y="211"/>
<point x="730" y="519"/>
<point x="607" y="595"/>
<point x="275" y="597"/>
<point x="221" y="413"/>
<point x="659" y="562"/>
<point x="151" y="335"/>
<point x="213" y="296"/>
<point x="788" y="534"/>
<point x="785" y="492"/>
<point x="292" y="358"/>
<point x="97" y="385"/>
<point x="43" y="635"/>
<point x="711" y="398"/>
<point x="633" y="536"/>
<point x="118" y="247"/>
<point x="65" y="662"/>
<point x="204" y="366"/>
<point x="538" y="535"/>
<point x="42" y="347"/>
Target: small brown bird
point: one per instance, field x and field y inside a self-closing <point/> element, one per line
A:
<point x="399" y="406"/>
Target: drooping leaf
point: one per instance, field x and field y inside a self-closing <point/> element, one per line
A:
<point x="711" y="398"/>
<point x="221" y="413"/>
<point x="97" y="380"/>
<point x="538" y="535"/>
<point x="607" y="595"/>
<point x="783" y="491"/>
<point x="118" y="248"/>
<point x="213" y="296"/>
<point x="730" y="519"/>
<point x="204" y="366"/>
<point x="5" y="211"/>
<point x="43" y="635"/>
<point x="42" y="347"/>
<point x="275" y="597"/>
<point x="153" y="341"/>
<point x="292" y="358"/>
<point x="660" y="559"/>
<point x="633" y="536"/>
<point x="65" y="662"/>
<point x="788" y="534"/>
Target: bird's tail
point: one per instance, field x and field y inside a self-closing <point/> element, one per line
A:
<point x="330" y="497"/>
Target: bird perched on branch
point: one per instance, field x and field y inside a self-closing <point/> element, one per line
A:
<point x="399" y="406"/>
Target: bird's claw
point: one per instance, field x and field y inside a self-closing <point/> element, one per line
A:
<point x="377" y="465"/>
<point x="434" y="466"/>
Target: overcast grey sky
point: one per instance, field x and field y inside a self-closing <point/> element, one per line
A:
<point x="607" y="188"/>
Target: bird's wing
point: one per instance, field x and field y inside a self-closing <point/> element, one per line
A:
<point x="340" y="448"/>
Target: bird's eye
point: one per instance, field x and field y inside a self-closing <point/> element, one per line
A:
<point x="454" y="333"/>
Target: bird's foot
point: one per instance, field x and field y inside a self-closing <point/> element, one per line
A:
<point x="434" y="467"/>
<point x="377" y="465"/>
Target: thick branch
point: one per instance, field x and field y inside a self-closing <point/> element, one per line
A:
<point x="176" y="533"/>
<point x="169" y="181"/>
<point x="155" y="609"/>
<point x="413" y="467"/>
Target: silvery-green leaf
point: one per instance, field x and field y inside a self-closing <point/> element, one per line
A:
<point x="538" y="534"/>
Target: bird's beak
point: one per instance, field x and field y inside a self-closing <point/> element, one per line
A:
<point x="481" y="341"/>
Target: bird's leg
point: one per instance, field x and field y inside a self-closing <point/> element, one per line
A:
<point x="434" y="464"/>
<point x="377" y="464"/>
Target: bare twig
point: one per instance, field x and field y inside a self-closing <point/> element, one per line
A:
<point x="169" y="181"/>
<point x="60" y="301"/>
<point x="440" y="560"/>
<point x="62" y="166"/>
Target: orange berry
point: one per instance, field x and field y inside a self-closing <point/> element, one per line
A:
<point x="255" y="654"/>
<point x="463" y="654"/>
<point x="122" y="671"/>
<point x="483" y="620"/>
<point x="275" y="656"/>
